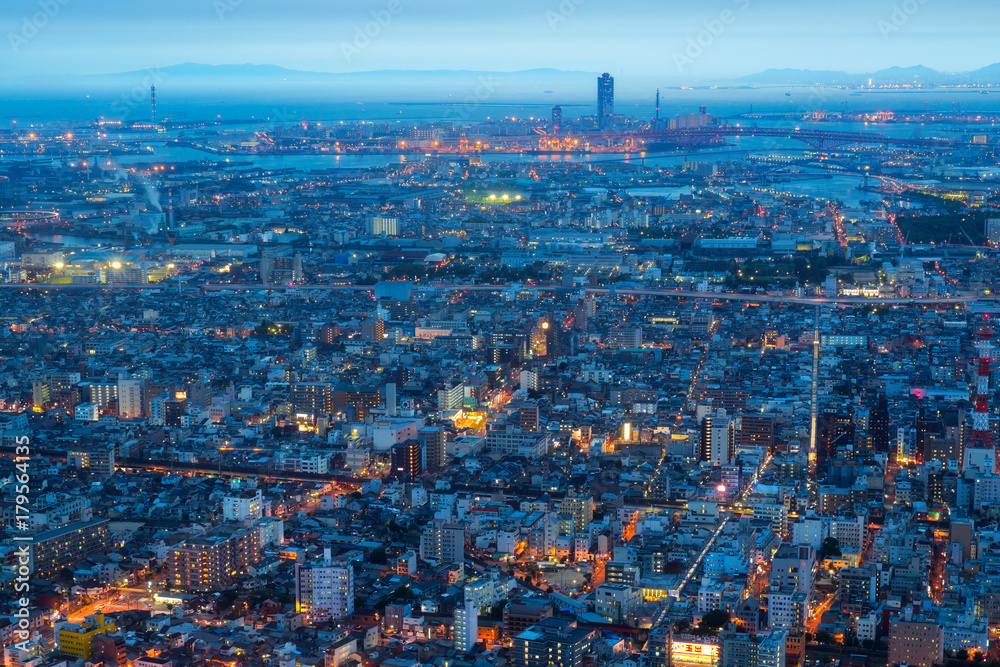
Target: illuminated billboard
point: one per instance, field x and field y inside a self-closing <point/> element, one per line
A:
<point x="694" y="652"/>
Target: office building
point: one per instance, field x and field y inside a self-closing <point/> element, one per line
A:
<point x="433" y="443"/>
<point x="605" y="101"/>
<point x="174" y="410"/>
<point x="625" y="337"/>
<point x="770" y="649"/>
<point x="615" y="602"/>
<point x="356" y="401"/>
<point x="858" y="589"/>
<point x="553" y="642"/>
<point x="324" y="591"/>
<point x="793" y="568"/>
<point x="557" y="117"/>
<point x="581" y="507"/>
<point x="41" y="393"/>
<point x="212" y="561"/>
<point x="54" y="550"/>
<point x="394" y="615"/>
<point x="130" y="398"/>
<point x="521" y="613"/>
<point x="878" y="425"/>
<point x="378" y="225"/>
<point x="77" y="640"/>
<point x="451" y="398"/>
<point x="110" y="649"/>
<point x="243" y="506"/>
<point x="528" y="418"/>
<point x="716" y="438"/>
<point x="311" y="397"/>
<point x="915" y="640"/>
<point x="465" y="628"/>
<point x="787" y="611"/>
<point x="280" y="267"/>
<point x="100" y="393"/>
<point x="328" y="333"/>
<point x="99" y="460"/>
<point x="126" y="275"/>
<point x="406" y="461"/>
<point x="756" y="431"/>
<point x="993" y="230"/>
<point x="372" y="331"/>
<point x="87" y="412"/>
<point x="443" y="542"/>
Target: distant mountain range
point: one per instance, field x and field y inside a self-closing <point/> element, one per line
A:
<point x="890" y="76"/>
<point x="197" y="70"/>
<point x="240" y="81"/>
<point x="194" y="72"/>
<point x="466" y="90"/>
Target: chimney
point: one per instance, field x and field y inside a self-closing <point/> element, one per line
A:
<point x="170" y="209"/>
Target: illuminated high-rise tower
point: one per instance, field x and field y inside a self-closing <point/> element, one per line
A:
<point x="605" y="100"/>
<point x="556" y="118"/>
<point x="979" y="448"/>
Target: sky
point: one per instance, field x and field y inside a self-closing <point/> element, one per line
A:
<point x="694" y="40"/>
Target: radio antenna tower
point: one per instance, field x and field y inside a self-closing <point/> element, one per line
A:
<point x="981" y="438"/>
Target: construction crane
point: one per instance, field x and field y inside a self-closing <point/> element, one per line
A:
<point x="979" y="255"/>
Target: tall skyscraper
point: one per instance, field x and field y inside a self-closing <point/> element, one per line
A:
<point x="605" y="100"/>
<point x="878" y="425"/>
<point x="556" y="118"/>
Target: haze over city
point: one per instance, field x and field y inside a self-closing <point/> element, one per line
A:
<point x="561" y="333"/>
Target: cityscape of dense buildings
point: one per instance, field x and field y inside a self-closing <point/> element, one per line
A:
<point x="499" y="393"/>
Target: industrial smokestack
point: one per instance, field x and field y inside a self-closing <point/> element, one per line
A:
<point x="170" y="209"/>
<point x="152" y="102"/>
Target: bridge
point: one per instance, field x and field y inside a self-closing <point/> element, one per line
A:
<point x="818" y="139"/>
<point x="632" y="291"/>
<point x="206" y="468"/>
